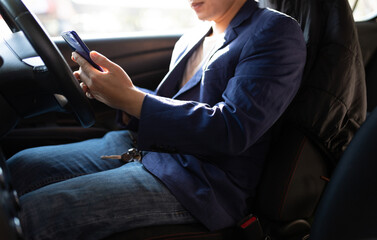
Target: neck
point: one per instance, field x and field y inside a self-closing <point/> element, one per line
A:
<point x="219" y="25"/>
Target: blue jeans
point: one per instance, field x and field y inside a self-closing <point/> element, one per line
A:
<point x="69" y="192"/>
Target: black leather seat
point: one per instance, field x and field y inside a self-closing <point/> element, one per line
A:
<point x="348" y="209"/>
<point x="310" y="137"/>
<point x="321" y="121"/>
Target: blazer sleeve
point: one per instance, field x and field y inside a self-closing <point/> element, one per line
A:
<point x="133" y="124"/>
<point x="265" y="79"/>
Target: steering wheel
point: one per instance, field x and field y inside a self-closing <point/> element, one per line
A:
<point x="19" y="18"/>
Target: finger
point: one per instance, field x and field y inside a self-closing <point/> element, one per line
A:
<point x="86" y="90"/>
<point x="83" y="77"/>
<point x="76" y="74"/>
<point x="78" y="59"/>
<point x="101" y="60"/>
<point x="89" y="95"/>
<point x="79" y="75"/>
<point x="85" y="66"/>
<point x="84" y="87"/>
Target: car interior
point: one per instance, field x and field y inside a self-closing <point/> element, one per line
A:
<point x="306" y="191"/>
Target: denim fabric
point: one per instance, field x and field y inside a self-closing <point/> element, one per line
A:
<point x="68" y="192"/>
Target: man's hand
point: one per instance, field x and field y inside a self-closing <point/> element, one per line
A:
<point x="112" y="87"/>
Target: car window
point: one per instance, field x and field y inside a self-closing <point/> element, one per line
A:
<point x="363" y="9"/>
<point x="4" y="30"/>
<point x="102" y="18"/>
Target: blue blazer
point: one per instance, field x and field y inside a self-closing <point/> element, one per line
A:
<point x="208" y="140"/>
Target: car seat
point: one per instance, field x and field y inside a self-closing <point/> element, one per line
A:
<point x="348" y="208"/>
<point x="320" y="122"/>
<point x="310" y="137"/>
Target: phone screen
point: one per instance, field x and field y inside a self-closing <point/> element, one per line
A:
<point x="73" y="40"/>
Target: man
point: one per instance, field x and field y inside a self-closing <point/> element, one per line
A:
<point x="204" y="133"/>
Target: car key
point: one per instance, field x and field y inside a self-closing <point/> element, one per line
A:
<point x="132" y="155"/>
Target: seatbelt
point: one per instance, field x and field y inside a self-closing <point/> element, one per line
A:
<point x="250" y="228"/>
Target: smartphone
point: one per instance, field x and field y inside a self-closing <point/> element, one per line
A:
<point x="73" y="40"/>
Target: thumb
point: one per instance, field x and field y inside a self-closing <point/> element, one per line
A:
<point x="101" y="60"/>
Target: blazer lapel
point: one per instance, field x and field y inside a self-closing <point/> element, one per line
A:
<point x="191" y="83"/>
<point x="245" y="12"/>
<point x="198" y="75"/>
<point x="229" y="36"/>
<point x="169" y="85"/>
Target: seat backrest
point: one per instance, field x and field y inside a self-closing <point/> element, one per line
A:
<point x="331" y="104"/>
<point x="292" y="183"/>
<point x="348" y="208"/>
<point x="321" y="121"/>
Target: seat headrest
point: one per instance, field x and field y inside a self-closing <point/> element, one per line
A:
<point x="305" y="12"/>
